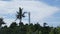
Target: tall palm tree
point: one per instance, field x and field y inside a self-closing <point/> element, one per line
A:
<point x="20" y="14"/>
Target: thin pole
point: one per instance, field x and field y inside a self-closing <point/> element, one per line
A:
<point x="29" y="17"/>
<point x="29" y="21"/>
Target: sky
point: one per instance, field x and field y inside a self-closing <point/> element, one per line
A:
<point x="41" y="11"/>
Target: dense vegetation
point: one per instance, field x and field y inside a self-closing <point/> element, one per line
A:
<point x="31" y="28"/>
<point x="28" y="29"/>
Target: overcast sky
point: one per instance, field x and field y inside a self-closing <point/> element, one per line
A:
<point x="41" y="11"/>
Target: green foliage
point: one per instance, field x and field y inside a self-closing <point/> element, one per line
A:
<point x="29" y="29"/>
<point x="13" y="25"/>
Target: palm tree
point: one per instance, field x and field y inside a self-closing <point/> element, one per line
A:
<point x="20" y="14"/>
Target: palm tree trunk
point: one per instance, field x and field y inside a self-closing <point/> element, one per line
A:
<point x="20" y="20"/>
